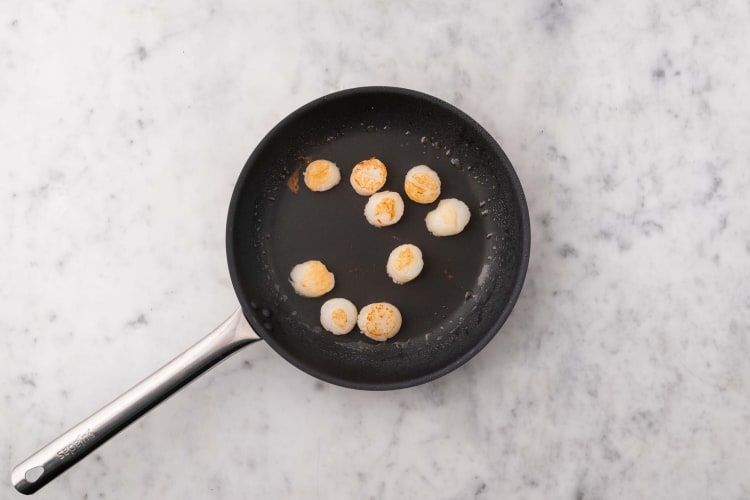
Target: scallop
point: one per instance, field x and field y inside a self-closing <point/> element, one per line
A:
<point x="448" y="218"/>
<point x="405" y="263"/>
<point x="384" y="209"/>
<point x="422" y="184"/>
<point x="379" y="321"/>
<point x="368" y="176"/>
<point x="321" y="175"/>
<point x="311" y="279"/>
<point x="338" y="316"/>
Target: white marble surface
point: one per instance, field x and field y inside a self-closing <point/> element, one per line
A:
<point x="624" y="371"/>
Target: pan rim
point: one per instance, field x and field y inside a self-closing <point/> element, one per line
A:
<point x="484" y="339"/>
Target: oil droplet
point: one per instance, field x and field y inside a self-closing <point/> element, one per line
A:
<point x="447" y="152"/>
<point x="268" y="326"/>
<point x="467" y="296"/>
<point x="436" y="145"/>
<point x="371" y="128"/>
<point x="456" y="163"/>
<point x="266" y="312"/>
<point x="489" y="235"/>
<point x="386" y="127"/>
<point x="424" y="140"/>
<point x="253" y="304"/>
<point x="408" y="132"/>
<point x="482" y="203"/>
<point x="484" y="212"/>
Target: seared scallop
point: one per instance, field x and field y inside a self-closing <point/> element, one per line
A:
<point x="379" y="321"/>
<point x="321" y="175"/>
<point x="338" y="316"/>
<point x="422" y="184"/>
<point x="311" y="279"/>
<point x="384" y="209"/>
<point x="368" y="176"/>
<point x="405" y="263"/>
<point x="448" y="218"/>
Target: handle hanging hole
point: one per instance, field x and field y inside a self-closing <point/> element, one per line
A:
<point x="32" y="475"/>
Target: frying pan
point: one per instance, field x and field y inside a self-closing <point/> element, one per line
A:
<point x="464" y="294"/>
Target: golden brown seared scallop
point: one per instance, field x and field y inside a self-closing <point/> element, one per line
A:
<point x="379" y="321"/>
<point x="422" y="184"/>
<point x="321" y="175"/>
<point x="368" y="176"/>
<point x="311" y="279"/>
<point x="384" y="208"/>
<point x="338" y="316"/>
<point x="405" y="263"/>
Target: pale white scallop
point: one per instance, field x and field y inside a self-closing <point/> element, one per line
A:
<point x="450" y="217"/>
<point x="311" y="279"/>
<point x="321" y="175"/>
<point x="384" y="208"/>
<point x="338" y="316"/>
<point x="405" y="263"/>
<point x="379" y="321"/>
<point x="422" y="184"/>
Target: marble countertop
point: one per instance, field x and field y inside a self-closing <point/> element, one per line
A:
<point x="624" y="369"/>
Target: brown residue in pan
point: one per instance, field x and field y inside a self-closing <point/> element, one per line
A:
<point x="293" y="181"/>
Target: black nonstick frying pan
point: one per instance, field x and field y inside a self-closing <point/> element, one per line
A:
<point x="464" y="294"/>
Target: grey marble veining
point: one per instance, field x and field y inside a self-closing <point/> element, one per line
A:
<point x="623" y="371"/>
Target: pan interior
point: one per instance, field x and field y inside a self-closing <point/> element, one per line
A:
<point x="468" y="283"/>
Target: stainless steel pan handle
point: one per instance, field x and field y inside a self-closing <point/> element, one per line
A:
<point x="65" y="451"/>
